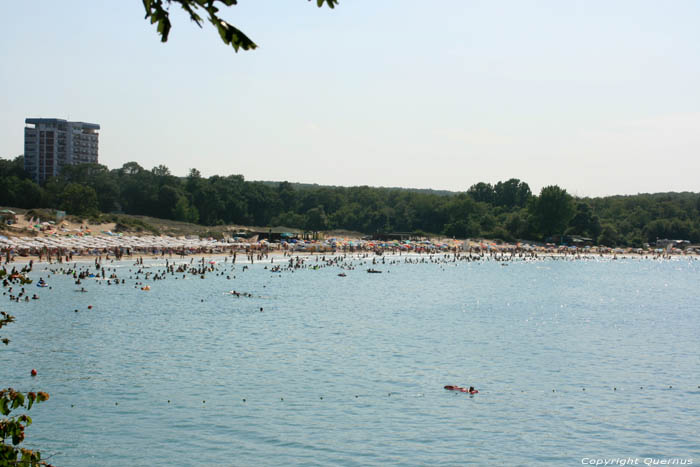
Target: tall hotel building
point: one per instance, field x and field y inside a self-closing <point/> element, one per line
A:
<point x="51" y="143"/>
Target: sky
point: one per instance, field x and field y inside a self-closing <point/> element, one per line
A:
<point x="600" y="97"/>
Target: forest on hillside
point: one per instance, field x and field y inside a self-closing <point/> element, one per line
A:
<point x="507" y="210"/>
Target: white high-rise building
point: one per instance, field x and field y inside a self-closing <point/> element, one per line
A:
<point x="51" y="143"/>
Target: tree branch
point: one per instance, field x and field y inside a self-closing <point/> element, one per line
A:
<point x="159" y="14"/>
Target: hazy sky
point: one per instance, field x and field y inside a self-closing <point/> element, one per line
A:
<point x="598" y="96"/>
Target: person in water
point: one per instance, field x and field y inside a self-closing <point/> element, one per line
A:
<point x="471" y="389"/>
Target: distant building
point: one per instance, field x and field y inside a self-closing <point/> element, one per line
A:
<point x="51" y="143"/>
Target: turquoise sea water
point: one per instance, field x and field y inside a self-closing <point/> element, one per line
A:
<point x="350" y="370"/>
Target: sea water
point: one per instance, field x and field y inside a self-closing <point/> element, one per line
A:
<point x="574" y="361"/>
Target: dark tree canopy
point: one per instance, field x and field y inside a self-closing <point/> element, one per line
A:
<point x="553" y="210"/>
<point x="159" y="13"/>
<point x="511" y="193"/>
<point x="482" y="192"/>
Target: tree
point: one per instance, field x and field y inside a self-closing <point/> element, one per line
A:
<point x="462" y="228"/>
<point x="139" y="190"/>
<point x="14" y="167"/>
<point x="519" y="224"/>
<point x="316" y="219"/>
<point x="131" y="168"/>
<point x="287" y="196"/>
<point x="158" y="12"/>
<point x="161" y="171"/>
<point x="12" y="427"/>
<point x="79" y="199"/>
<point x="184" y="212"/>
<point x="29" y="194"/>
<point x="289" y="219"/>
<point x="584" y="221"/>
<point x="608" y="236"/>
<point x="482" y="192"/>
<point x="512" y="193"/>
<point x="552" y="210"/>
<point x="98" y="177"/>
<point x="18" y="192"/>
<point x="168" y="197"/>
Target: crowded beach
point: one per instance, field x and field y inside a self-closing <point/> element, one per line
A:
<point x="55" y="247"/>
<point x="65" y="248"/>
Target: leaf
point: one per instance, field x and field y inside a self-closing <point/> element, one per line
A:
<point x="18" y="400"/>
<point x="230" y="35"/>
<point x="331" y="3"/>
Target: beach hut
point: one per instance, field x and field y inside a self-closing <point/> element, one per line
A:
<point x="8" y="217"/>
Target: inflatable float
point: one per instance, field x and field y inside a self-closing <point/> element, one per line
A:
<point x="470" y="390"/>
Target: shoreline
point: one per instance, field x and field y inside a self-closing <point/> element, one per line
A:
<point x="50" y="247"/>
<point x="276" y="255"/>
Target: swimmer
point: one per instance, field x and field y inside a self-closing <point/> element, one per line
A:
<point x="455" y="388"/>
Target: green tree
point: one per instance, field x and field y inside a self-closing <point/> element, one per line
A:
<point x="316" y="219"/>
<point x="131" y="168"/>
<point x="168" y="197"/>
<point x="96" y="176"/>
<point x="161" y="171"/>
<point x="158" y="12"/>
<point x="139" y="190"/>
<point x="230" y="191"/>
<point x="608" y="236"/>
<point x="184" y="212"/>
<point x="29" y="194"/>
<point x="14" y="167"/>
<point x="552" y="210"/>
<point x="511" y="193"/>
<point x="287" y="196"/>
<point x="462" y="228"/>
<point x="519" y="224"/>
<point x="79" y="199"/>
<point x="19" y="192"/>
<point x="482" y="192"/>
<point x="289" y="219"/>
<point x="584" y="221"/>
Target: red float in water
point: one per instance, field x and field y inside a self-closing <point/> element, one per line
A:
<point x="471" y="389"/>
<point x="34" y="372"/>
<point x="456" y="388"/>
